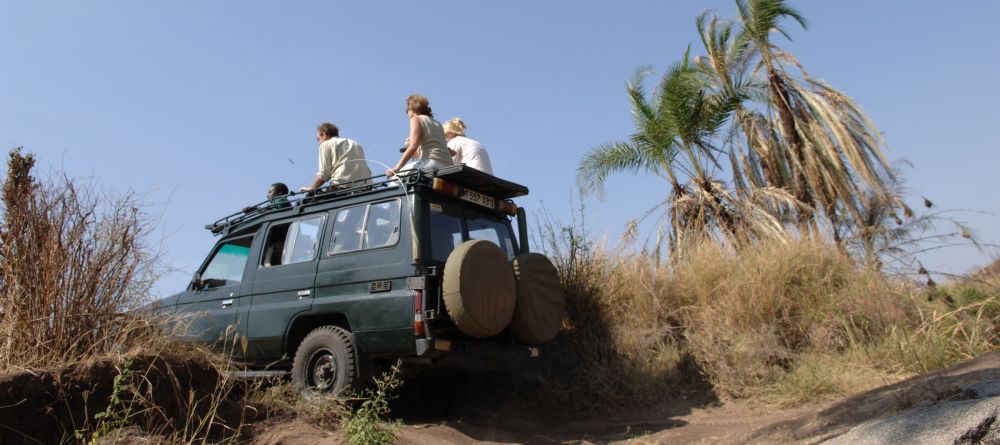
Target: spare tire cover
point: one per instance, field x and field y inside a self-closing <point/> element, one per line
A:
<point x="479" y="288"/>
<point x="540" y="300"/>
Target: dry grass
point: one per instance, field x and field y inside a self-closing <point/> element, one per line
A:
<point x="72" y="262"/>
<point x="74" y="267"/>
<point x="284" y="399"/>
<point x="774" y="322"/>
<point x="75" y="270"/>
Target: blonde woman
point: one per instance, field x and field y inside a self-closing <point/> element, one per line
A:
<point x="465" y="150"/>
<point x="426" y="149"/>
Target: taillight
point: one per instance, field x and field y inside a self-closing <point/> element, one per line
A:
<point x="418" y="312"/>
<point x="508" y="207"/>
<point x="441" y="186"/>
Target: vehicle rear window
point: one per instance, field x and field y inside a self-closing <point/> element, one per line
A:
<point x="491" y="229"/>
<point x="447" y="231"/>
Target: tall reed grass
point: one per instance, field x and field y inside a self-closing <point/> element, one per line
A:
<point x="769" y="321"/>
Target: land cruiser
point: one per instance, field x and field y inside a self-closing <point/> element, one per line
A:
<point x="417" y="267"/>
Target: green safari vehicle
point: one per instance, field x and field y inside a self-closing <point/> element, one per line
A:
<point x="326" y="284"/>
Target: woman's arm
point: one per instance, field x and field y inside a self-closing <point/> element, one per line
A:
<point x="411" y="150"/>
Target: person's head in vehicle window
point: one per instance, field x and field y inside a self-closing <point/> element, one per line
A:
<point x="277" y="189"/>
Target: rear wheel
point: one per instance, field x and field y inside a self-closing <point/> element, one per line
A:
<point x="325" y="363"/>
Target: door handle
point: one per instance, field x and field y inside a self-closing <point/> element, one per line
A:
<point x="304" y="293"/>
<point x="227" y="303"/>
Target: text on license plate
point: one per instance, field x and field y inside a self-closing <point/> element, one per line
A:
<point x="478" y="198"/>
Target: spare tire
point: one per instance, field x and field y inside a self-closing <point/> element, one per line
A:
<point x="540" y="299"/>
<point x="479" y="288"/>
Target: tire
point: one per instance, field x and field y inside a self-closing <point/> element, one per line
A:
<point x="479" y="288"/>
<point x="540" y="300"/>
<point x="326" y="363"/>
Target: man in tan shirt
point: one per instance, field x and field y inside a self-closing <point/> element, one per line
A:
<point x="341" y="160"/>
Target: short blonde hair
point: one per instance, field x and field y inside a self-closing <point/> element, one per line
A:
<point x="419" y="104"/>
<point x="456" y="126"/>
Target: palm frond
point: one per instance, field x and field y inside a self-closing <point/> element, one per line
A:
<point x="606" y="159"/>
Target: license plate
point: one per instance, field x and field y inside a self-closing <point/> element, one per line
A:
<point x="478" y="198"/>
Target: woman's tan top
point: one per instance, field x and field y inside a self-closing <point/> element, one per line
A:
<point x="432" y="144"/>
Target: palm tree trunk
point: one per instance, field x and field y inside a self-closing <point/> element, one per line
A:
<point x="782" y="102"/>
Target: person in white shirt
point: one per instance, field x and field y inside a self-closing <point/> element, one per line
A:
<point x="464" y="150"/>
<point x="341" y="160"/>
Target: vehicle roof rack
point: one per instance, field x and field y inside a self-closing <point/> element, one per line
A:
<point x="459" y="174"/>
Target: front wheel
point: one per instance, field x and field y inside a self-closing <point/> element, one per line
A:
<point x="325" y="363"/>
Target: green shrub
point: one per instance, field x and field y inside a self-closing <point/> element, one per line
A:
<point x="366" y="425"/>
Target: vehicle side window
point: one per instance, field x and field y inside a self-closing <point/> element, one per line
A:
<point x="491" y="229"/>
<point x="382" y="225"/>
<point x="302" y="241"/>
<point x="365" y="226"/>
<point x="446" y="230"/>
<point x="347" y="228"/>
<point x="229" y="261"/>
<point x="292" y="242"/>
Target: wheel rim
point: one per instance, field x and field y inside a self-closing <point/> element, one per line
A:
<point x="321" y="375"/>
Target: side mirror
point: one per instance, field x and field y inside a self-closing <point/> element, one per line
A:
<point x="196" y="283"/>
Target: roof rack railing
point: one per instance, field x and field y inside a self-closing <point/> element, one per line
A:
<point x="323" y="194"/>
<point x="466" y="176"/>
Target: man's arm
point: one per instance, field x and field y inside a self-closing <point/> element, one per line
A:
<point x="314" y="185"/>
<point x="325" y="169"/>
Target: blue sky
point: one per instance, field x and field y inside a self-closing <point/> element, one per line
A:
<point x="199" y="106"/>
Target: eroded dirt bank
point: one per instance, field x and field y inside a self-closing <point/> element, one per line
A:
<point x="162" y="394"/>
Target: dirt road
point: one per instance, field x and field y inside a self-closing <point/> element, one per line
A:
<point x="698" y="420"/>
<point x="433" y="417"/>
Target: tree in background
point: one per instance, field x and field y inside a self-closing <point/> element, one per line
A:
<point x="803" y="158"/>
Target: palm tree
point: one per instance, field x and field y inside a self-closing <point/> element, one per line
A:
<point x="674" y="138"/>
<point x="798" y="149"/>
<point x="751" y="141"/>
<point x="759" y="18"/>
<point x="823" y="146"/>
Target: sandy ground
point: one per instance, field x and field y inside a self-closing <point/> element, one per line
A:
<point x="34" y="403"/>
<point x="682" y="421"/>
